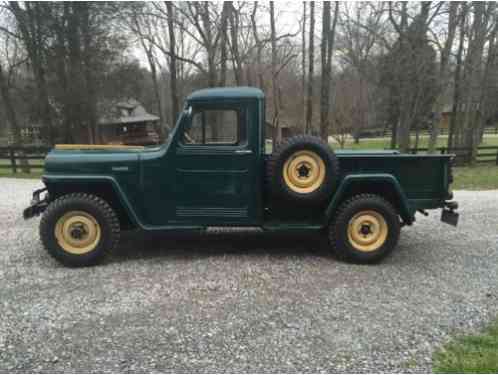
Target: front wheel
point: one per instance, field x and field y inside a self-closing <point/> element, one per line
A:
<point x="365" y="229"/>
<point x="79" y="229"/>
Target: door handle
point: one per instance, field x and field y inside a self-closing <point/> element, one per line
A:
<point x="243" y="152"/>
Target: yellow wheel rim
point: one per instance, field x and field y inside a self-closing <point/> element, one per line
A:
<point x="77" y="232"/>
<point x="304" y="172"/>
<point x="367" y="231"/>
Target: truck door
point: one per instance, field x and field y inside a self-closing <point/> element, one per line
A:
<point x="215" y="166"/>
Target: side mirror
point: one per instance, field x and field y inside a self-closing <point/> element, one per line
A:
<point x="188" y="111"/>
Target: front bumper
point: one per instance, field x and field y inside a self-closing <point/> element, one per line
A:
<point x="38" y="204"/>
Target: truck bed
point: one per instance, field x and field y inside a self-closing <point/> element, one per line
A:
<point x="422" y="177"/>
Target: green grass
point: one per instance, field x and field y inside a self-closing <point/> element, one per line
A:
<point x="8" y="173"/>
<point x="470" y="354"/>
<point x="476" y="178"/>
<point x="34" y="173"/>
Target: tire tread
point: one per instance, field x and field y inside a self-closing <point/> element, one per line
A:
<point x="273" y="164"/>
<point x="99" y="203"/>
<point x="338" y="217"/>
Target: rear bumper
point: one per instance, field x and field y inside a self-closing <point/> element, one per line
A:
<point x="38" y="204"/>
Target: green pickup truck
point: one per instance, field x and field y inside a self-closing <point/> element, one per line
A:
<point x="213" y="174"/>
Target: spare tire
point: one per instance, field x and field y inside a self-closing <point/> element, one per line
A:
<point x="303" y="169"/>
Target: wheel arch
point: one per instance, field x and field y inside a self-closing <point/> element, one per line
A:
<point x="103" y="187"/>
<point x="383" y="185"/>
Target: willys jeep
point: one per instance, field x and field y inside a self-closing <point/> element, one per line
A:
<point x="212" y="174"/>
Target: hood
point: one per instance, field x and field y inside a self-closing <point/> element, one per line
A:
<point x="92" y="159"/>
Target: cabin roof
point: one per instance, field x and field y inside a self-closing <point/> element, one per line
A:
<point x="226" y="92"/>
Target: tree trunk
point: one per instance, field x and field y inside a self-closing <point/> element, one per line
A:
<point x="443" y="77"/>
<point x="452" y="134"/>
<point x="9" y="108"/>
<point x="223" y="43"/>
<point x="87" y="59"/>
<point x="473" y="72"/>
<point x="490" y="81"/>
<point x="11" y="116"/>
<point x="259" y="48"/>
<point x="327" y="48"/>
<point x="209" y="45"/>
<point x="59" y="27"/>
<point x="309" y="104"/>
<point x="275" y="122"/>
<point x="234" y="36"/>
<point x="157" y="91"/>
<point x="175" y="106"/>
<point x="303" y="64"/>
<point x="325" y="78"/>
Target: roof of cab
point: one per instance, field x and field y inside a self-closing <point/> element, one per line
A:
<point x="226" y="92"/>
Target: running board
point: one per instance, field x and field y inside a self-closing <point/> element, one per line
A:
<point x="229" y="230"/>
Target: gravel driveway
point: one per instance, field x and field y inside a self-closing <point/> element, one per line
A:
<point x="260" y="304"/>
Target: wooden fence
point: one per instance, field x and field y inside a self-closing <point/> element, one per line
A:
<point x="485" y="154"/>
<point x="443" y="131"/>
<point x="22" y="159"/>
<point x="26" y="159"/>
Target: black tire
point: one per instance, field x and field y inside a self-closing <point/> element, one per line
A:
<point x="342" y="242"/>
<point x="284" y="152"/>
<point x="100" y="210"/>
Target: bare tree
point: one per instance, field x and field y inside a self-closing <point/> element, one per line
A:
<point x="490" y="79"/>
<point x="303" y="63"/>
<point x="9" y="107"/>
<point x="142" y="25"/>
<point x="413" y="67"/>
<point x="443" y="78"/>
<point x="234" y="17"/>
<point x="175" y="105"/>
<point x="311" y="63"/>
<point x="473" y="71"/>
<point x="275" y="93"/>
<point x="457" y="90"/>
<point x="12" y="60"/>
<point x="327" y="47"/>
<point x="259" y="45"/>
<point x="29" y="23"/>
<point x="325" y="78"/>
<point x="224" y="43"/>
<point x="362" y="30"/>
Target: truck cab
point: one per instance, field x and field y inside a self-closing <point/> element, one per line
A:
<point x="211" y="167"/>
<point x="213" y="173"/>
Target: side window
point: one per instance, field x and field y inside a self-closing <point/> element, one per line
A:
<point x="216" y="127"/>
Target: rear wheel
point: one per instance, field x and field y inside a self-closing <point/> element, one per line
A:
<point x="365" y="229"/>
<point x="79" y="229"/>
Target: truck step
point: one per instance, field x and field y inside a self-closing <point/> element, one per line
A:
<point x="230" y="230"/>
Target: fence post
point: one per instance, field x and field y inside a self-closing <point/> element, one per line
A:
<point x="13" y="159"/>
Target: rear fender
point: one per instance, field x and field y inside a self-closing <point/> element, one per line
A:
<point x="385" y="185"/>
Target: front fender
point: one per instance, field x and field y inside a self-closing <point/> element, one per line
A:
<point x="364" y="184"/>
<point x="85" y="182"/>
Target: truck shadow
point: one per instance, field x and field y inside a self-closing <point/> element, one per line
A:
<point x="141" y="246"/>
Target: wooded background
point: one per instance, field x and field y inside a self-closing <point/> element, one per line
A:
<point x="328" y="68"/>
